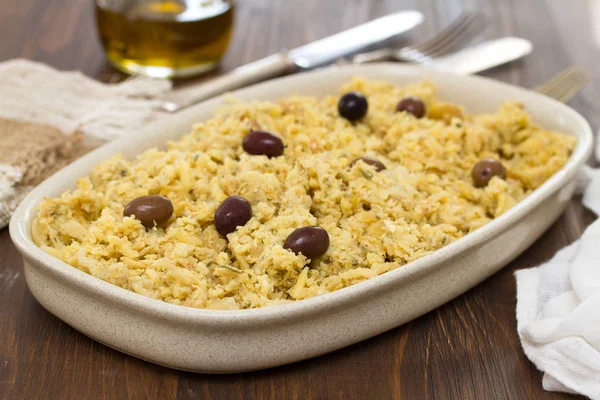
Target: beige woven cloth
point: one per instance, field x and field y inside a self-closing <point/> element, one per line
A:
<point x="50" y="118"/>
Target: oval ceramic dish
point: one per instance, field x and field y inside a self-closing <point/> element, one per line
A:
<point x="233" y="341"/>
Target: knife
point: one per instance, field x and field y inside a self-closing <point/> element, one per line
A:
<point x="309" y="56"/>
<point x="483" y="56"/>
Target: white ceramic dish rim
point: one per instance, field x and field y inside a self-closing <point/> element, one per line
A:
<point x="21" y="221"/>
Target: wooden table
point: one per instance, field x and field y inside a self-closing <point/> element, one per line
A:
<point x="466" y="349"/>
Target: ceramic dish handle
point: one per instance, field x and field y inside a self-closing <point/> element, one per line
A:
<point x="268" y="67"/>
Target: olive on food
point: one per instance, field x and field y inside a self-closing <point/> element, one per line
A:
<point x="412" y="105"/>
<point x="379" y="166"/>
<point x="485" y="170"/>
<point x="353" y="106"/>
<point x="234" y="211"/>
<point x="311" y="241"/>
<point x="261" y="143"/>
<point x="150" y="210"/>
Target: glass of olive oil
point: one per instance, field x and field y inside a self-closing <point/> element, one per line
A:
<point x="165" y="38"/>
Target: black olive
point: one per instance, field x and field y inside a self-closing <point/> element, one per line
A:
<point x="311" y="241"/>
<point x="150" y="210"/>
<point x="412" y="105"/>
<point x="485" y="170"/>
<point x="379" y="166"/>
<point x="261" y="143"/>
<point x="234" y="211"/>
<point x="353" y="106"/>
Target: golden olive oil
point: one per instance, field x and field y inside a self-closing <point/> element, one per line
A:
<point x="165" y="38"/>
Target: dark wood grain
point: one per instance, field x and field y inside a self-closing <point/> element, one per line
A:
<point x="466" y="349"/>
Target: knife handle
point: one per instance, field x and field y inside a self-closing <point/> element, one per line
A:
<point x="257" y="71"/>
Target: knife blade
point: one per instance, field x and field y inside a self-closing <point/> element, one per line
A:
<point x="308" y="56"/>
<point x="331" y="48"/>
<point x="483" y="56"/>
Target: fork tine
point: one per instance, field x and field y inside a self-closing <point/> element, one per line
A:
<point x="450" y="35"/>
<point x="456" y="24"/>
<point x="461" y="30"/>
<point x="570" y="89"/>
<point x="556" y="79"/>
<point x="460" y="38"/>
<point x="573" y="90"/>
<point x="564" y="85"/>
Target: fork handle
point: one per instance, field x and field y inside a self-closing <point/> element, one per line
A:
<point x="257" y="71"/>
<point x="386" y="54"/>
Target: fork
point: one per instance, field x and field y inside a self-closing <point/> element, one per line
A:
<point x="462" y="30"/>
<point x="564" y="85"/>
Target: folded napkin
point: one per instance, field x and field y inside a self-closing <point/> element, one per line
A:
<point x="558" y="308"/>
<point x="49" y="118"/>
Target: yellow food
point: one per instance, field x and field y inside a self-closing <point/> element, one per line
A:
<point x="376" y="221"/>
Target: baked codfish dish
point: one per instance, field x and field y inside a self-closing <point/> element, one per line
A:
<point x="273" y="202"/>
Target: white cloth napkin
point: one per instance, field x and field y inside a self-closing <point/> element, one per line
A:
<point x="558" y="308"/>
